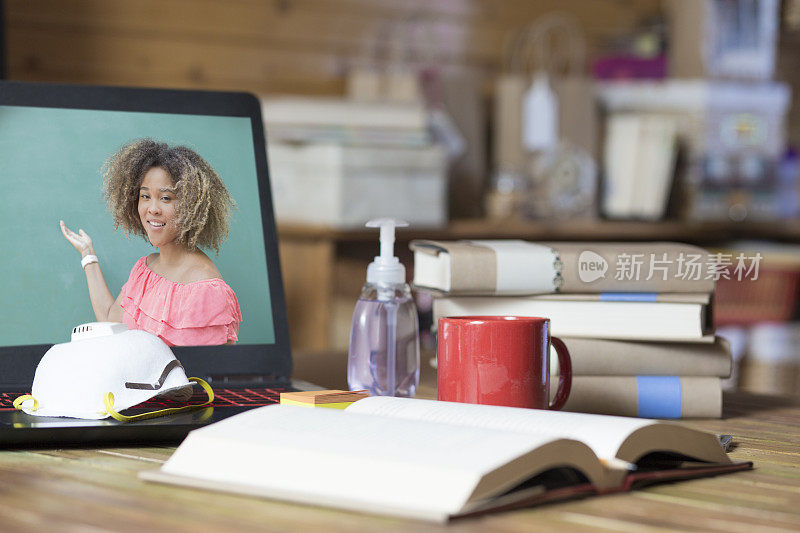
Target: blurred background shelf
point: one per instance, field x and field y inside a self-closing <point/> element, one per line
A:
<point x="566" y="230"/>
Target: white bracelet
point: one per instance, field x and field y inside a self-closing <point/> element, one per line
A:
<point x="88" y="259"/>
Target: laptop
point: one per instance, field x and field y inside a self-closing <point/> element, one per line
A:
<point x="54" y="140"/>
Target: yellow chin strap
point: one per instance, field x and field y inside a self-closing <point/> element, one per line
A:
<point x="108" y="400"/>
<point x="24" y="398"/>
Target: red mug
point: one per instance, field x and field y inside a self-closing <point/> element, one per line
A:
<point x="500" y="360"/>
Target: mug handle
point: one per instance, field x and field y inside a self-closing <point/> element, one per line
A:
<point x="564" y="376"/>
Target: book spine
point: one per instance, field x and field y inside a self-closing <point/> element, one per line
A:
<point x="596" y="357"/>
<point x="647" y="396"/>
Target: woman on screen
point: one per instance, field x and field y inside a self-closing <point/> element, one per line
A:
<point x="172" y="197"/>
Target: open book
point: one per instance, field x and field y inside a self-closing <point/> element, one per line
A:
<point x="432" y="460"/>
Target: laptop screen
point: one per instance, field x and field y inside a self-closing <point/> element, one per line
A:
<point x="54" y="141"/>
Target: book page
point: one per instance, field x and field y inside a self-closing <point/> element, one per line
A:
<point x="603" y="434"/>
<point x="325" y="454"/>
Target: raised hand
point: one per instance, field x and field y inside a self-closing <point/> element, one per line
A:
<point x="81" y="241"/>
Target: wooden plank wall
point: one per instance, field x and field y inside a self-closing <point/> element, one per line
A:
<point x="274" y="46"/>
<point x="292" y="46"/>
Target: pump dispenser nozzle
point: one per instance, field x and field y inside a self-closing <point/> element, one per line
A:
<point x="386" y="268"/>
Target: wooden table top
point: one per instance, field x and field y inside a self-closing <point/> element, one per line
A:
<point x="98" y="489"/>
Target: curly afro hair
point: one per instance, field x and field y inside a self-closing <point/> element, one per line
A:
<point x="204" y="204"/>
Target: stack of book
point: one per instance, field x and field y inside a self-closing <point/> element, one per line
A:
<point x="640" y="153"/>
<point x="636" y="317"/>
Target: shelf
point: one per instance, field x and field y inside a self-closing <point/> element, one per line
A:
<point x="566" y="230"/>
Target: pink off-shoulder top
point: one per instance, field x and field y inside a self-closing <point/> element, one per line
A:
<point x="204" y="312"/>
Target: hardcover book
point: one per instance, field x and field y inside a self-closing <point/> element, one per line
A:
<point x="597" y="357"/>
<point x="647" y="396"/>
<point x="674" y="321"/>
<point x="434" y="461"/>
<point x="514" y="267"/>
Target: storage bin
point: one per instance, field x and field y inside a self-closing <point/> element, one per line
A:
<point x="343" y="186"/>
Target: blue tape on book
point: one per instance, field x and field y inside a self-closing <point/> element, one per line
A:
<point x="659" y="396"/>
<point x="628" y="296"/>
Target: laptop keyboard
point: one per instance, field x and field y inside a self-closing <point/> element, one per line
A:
<point x="250" y="397"/>
<point x="254" y="397"/>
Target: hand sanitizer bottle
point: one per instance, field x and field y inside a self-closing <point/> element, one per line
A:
<point x="384" y="338"/>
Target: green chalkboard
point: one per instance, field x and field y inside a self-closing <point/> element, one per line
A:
<point x="50" y="169"/>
